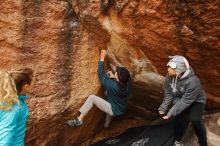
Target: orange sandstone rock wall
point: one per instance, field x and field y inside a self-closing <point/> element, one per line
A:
<point x="61" y="40"/>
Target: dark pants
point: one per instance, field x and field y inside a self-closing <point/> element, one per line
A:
<point x="192" y="114"/>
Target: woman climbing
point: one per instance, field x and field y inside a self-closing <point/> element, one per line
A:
<point x="118" y="88"/>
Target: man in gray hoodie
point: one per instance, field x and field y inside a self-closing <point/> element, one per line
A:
<point x="183" y="87"/>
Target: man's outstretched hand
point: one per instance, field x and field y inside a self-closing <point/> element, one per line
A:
<point x="165" y="117"/>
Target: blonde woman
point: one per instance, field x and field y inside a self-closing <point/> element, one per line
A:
<point x="13" y="110"/>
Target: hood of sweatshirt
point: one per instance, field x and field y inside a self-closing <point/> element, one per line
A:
<point x="187" y="74"/>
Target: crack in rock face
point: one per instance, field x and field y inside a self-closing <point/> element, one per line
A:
<point x="147" y="83"/>
<point x="145" y="78"/>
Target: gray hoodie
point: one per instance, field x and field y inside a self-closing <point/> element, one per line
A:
<point x="188" y="90"/>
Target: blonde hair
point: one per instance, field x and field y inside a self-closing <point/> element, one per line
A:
<point x="8" y="91"/>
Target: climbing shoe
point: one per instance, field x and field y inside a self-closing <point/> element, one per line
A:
<point x="74" y="122"/>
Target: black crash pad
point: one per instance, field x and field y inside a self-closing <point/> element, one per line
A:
<point x="156" y="135"/>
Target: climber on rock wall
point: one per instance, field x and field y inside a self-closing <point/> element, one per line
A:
<point x="183" y="87"/>
<point x="14" y="86"/>
<point x="118" y="87"/>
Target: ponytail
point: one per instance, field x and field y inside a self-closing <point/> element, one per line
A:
<point x="11" y="84"/>
<point x="8" y="92"/>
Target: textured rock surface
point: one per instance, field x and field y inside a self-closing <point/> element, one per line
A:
<point x="152" y="30"/>
<point x="48" y="37"/>
<point x="60" y="40"/>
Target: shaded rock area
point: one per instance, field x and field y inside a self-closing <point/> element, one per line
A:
<point x="211" y="123"/>
<point x="61" y="41"/>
